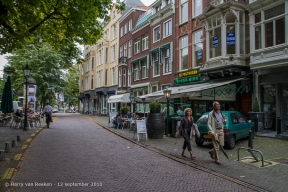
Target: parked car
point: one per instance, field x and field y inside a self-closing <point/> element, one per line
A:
<point x="55" y="110"/>
<point x="236" y="127"/>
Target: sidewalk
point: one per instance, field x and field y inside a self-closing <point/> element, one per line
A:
<point x="12" y="159"/>
<point x="272" y="177"/>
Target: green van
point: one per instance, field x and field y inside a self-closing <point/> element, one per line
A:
<point x="236" y="127"/>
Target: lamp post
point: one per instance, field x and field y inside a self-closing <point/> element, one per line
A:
<point x="143" y="99"/>
<point x="167" y="94"/>
<point x="27" y="71"/>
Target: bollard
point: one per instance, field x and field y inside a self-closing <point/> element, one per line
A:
<point x="2" y="155"/>
<point x="256" y="123"/>
<point x="250" y="142"/>
<point x="14" y="143"/>
<point x="7" y="147"/>
<point x="18" y="138"/>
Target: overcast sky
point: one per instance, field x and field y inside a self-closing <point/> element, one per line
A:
<point x="3" y="61"/>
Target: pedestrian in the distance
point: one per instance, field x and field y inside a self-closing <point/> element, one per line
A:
<point x="215" y="125"/>
<point x="185" y="128"/>
<point x="48" y="111"/>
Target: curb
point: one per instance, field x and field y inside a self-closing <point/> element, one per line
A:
<point x="182" y="161"/>
<point x="14" y="163"/>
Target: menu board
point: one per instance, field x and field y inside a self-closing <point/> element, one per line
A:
<point x="141" y="126"/>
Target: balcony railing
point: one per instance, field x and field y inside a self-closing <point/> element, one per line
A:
<point x="122" y="60"/>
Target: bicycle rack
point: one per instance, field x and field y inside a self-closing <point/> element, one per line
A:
<point x="252" y="153"/>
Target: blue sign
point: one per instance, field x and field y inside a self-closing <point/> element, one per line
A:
<point x="199" y="54"/>
<point x="230" y="38"/>
<point x="215" y="42"/>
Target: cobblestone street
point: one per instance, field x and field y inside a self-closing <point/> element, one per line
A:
<point x="75" y="154"/>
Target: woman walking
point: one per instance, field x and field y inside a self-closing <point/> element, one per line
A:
<point x="185" y="128"/>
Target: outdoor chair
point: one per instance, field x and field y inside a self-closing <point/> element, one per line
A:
<point x="31" y="122"/>
<point x="121" y="123"/>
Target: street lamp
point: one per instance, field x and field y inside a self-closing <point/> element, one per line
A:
<point x="27" y="71"/>
<point x="167" y="94"/>
<point x="143" y="99"/>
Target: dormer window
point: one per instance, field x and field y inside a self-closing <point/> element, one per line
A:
<point x="158" y="8"/>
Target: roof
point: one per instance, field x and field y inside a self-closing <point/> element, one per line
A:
<point x="144" y="17"/>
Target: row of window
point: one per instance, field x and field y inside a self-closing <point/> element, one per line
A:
<point x="197" y="9"/>
<point x="100" y="79"/>
<point x="126" y="28"/>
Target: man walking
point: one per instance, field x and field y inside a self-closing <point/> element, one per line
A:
<point x="48" y="111"/>
<point x="215" y="125"/>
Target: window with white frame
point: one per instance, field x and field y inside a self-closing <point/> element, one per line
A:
<point x="144" y="69"/>
<point x="100" y="78"/>
<point x="197" y="48"/>
<point x="156" y="65"/>
<point x="121" y="50"/>
<point x="215" y="37"/>
<point x="92" y="63"/>
<point x="156" y="34"/>
<point x="168" y="28"/>
<point x="130" y="24"/>
<point x="154" y="89"/>
<point x="92" y="82"/>
<point x="136" y="71"/>
<point x="183" y="11"/>
<point x="106" y="76"/>
<point x="120" y="78"/>
<point x="100" y="57"/>
<point x="129" y="77"/>
<point x="273" y="22"/>
<point x="82" y="85"/>
<point x="113" y="54"/>
<point x="145" y="42"/>
<point x="168" y="2"/>
<point x="125" y="28"/>
<point x="129" y="48"/>
<point x="125" y="50"/>
<point x="104" y="105"/>
<point x="121" y="31"/>
<point x="167" y="60"/>
<point x="136" y="45"/>
<point x="114" y="31"/>
<point x="87" y="78"/>
<point x="106" y="55"/>
<point x="124" y="77"/>
<point x="87" y="65"/>
<point x="82" y="70"/>
<point x="113" y="76"/>
<point x="230" y="33"/>
<point x="184" y="52"/>
<point x="158" y="8"/>
<point x="197" y="5"/>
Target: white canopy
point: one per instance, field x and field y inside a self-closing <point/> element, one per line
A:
<point x="185" y="91"/>
<point x="123" y="98"/>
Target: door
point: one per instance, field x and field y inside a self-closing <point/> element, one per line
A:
<point x="245" y="104"/>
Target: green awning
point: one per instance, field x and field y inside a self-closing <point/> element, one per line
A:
<point x="228" y="90"/>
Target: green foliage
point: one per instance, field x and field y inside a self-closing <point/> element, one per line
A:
<point x="47" y="68"/>
<point x="124" y="109"/>
<point x="155" y="106"/>
<point x="255" y="107"/>
<point x="57" y="21"/>
<point x="71" y="89"/>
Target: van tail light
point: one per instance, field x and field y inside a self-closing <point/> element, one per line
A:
<point x="226" y="130"/>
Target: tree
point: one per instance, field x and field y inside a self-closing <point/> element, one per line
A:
<point x="59" y="22"/>
<point x="47" y="67"/>
<point x="72" y="89"/>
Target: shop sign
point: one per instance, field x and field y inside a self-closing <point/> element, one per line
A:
<point x="199" y="54"/>
<point x="186" y="79"/>
<point x="215" y="42"/>
<point x="188" y="73"/>
<point x="230" y="38"/>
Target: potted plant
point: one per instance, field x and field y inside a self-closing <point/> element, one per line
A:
<point x="256" y="113"/>
<point x="124" y="109"/>
<point x="155" y="107"/>
<point x="155" y="121"/>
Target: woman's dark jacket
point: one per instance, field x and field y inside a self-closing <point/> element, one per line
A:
<point x="184" y="126"/>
